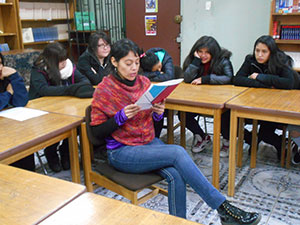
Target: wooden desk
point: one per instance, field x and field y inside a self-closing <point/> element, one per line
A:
<point x="22" y="138"/>
<point x="61" y="104"/>
<point x="90" y="209"/>
<point x="28" y="198"/>
<point x="282" y="106"/>
<point x="202" y="99"/>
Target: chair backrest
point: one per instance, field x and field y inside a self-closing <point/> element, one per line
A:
<point x="98" y="144"/>
<point x="178" y="72"/>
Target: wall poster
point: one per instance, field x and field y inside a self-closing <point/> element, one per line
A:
<point x="151" y="6"/>
<point x="151" y="25"/>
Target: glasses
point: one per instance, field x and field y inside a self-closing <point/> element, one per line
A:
<point x="102" y="46"/>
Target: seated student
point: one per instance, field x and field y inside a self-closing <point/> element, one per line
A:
<point x="53" y="74"/>
<point x="92" y="63"/>
<point x="157" y="65"/>
<point x="266" y="67"/>
<point x="14" y="93"/>
<point x="132" y="147"/>
<point x="207" y="63"/>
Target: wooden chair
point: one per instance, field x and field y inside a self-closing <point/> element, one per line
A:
<point x="254" y="144"/>
<point x="125" y="184"/>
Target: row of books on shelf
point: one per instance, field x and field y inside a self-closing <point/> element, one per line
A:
<point x="4" y="47"/>
<point x="286" y="32"/>
<point x="37" y="34"/>
<point x="287" y="6"/>
<point x="43" y="10"/>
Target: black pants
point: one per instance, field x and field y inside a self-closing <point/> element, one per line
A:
<point x="26" y="163"/>
<point x="266" y="132"/>
<point x="192" y="124"/>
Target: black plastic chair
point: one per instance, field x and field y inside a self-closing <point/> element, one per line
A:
<point x="125" y="184"/>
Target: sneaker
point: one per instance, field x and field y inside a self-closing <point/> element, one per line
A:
<point x="296" y="157"/>
<point x="201" y="144"/>
<point x="231" y="215"/>
<point x="224" y="151"/>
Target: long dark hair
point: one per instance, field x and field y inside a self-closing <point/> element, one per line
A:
<point x="278" y="58"/>
<point x="214" y="49"/>
<point x="94" y="39"/>
<point x="121" y="49"/>
<point x="2" y="58"/>
<point x="49" y="59"/>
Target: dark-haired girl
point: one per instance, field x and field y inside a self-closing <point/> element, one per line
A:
<point x="132" y="147"/>
<point x="266" y="67"/>
<point x="93" y="62"/>
<point x="207" y="63"/>
<point x="53" y="74"/>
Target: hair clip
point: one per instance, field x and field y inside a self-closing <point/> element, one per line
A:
<point x="142" y="55"/>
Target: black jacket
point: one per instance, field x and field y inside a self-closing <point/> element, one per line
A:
<point x="87" y="61"/>
<point x="40" y="85"/>
<point x="284" y="79"/>
<point x="167" y="68"/>
<point x="224" y="76"/>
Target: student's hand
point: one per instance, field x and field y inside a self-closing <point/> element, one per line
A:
<point x="197" y="81"/>
<point x="196" y="54"/>
<point x="131" y="110"/>
<point x="6" y="72"/>
<point x="159" y="108"/>
<point x="253" y="76"/>
<point x="10" y="89"/>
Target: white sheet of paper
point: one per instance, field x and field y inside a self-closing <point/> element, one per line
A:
<point x="21" y="113"/>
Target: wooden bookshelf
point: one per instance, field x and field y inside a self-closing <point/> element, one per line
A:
<point x="9" y="30"/>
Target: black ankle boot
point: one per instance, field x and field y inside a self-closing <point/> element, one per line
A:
<point x="231" y="215"/>
<point x="52" y="158"/>
<point x="64" y="155"/>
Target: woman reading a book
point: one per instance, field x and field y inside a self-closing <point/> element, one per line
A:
<point x="131" y="145"/>
<point x="207" y="63"/>
<point x="93" y="62"/>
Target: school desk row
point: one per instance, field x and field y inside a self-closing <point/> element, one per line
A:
<point x="30" y="198"/>
<point x="67" y="113"/>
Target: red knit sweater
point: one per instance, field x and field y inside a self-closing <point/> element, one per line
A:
<point x="110" y="97"/>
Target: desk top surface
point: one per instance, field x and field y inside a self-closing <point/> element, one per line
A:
<point x="61" y="104"/>
<point x="28" y="197"/>
<point x="20" y="135"/>
<point x="273" y="101"/>
<point x="91" y="208"/>
<point x="213" y="96"/>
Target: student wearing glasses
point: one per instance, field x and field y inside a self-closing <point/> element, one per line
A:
<point x="93" y="62"/>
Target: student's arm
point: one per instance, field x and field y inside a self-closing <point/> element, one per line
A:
<point x="20" y="95"/>
<point x="284" y="80"/>
<point x="241" y="78"/>
<point x="82" y="87"/>
<point x="85" y="67"/>
<point x="4" y="99"/>
<point x="191" y="72"/>
<point x="220" y="79"/>
<point x="40" y="84"/>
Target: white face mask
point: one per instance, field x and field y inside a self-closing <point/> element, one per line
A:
<point x="66" y="72"/>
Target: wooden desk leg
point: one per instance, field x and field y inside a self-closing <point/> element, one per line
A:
<point x="182" y="129"/>
<point x="254" y="144"/>
<point x="288" y="155"/>
<point x="216" y="148"/>
<point x="86" y="158"/>
<point x="170" y="131"/>
<point x="240" y="142"/>
<point x="232" y="152"/>
<point x="283" y="146"/>
<point x="74" y="158"/>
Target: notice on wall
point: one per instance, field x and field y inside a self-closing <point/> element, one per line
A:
<point x="151" y="6"/>
<point x="151" y="25"/>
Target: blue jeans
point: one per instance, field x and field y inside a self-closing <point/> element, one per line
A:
<point x="173" y="163"/>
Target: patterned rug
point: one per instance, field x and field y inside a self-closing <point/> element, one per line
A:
<point x="268" y="189"/>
